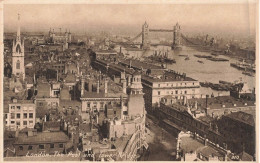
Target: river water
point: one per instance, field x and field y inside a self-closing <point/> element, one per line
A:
<point x="210" y="71"/>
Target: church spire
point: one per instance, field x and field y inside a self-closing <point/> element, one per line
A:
<point x="18" y="29"/>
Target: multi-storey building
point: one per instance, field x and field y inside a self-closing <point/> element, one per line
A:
<point x="21" y="114"/>
<point x="33" y="143"/>
<point x="58" y="38"/>
<point x="157" y="82"/>
<point x="204" y="117"/>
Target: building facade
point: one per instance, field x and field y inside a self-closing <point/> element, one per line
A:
<point x="21" y="114"/>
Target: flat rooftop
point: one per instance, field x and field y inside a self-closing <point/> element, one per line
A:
<point x="190" y="145"/>
<point x="218" y="102"/>
<point x="42" y="137"/>
<point x="166" y="76"/>
<point x="138" y="64"/>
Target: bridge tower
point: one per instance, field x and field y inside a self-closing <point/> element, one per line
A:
<point x="145" y="37"/>
<point x="176" y="37"/>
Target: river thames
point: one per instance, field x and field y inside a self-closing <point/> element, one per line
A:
<point x="209" y="71"/>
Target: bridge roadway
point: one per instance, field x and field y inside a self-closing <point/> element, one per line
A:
<point x="161" y="30"/>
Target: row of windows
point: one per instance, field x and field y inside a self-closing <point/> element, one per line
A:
<point x="18" y="115"/>
<point x="171" y="85"/>
<point x="186" y="119"/>
<point x="41" y="146"/>
<point x="19" y="108"/>
<point x="176" y="92"/>
<point x="24" y="123"/>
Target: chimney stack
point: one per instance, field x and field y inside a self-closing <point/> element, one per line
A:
<point x="196" y="105"/>
<point x="82" y="85"/>
<point x="207" y="100"/>
<point x="17" y="132"/>
<point x="98" y="86"/>
<point x="129" y="81"/>
<point x="106" y="82"/>
<point x="124" y="86"/>
<point x="184" y="100"/>
<point x="122" y="106"/>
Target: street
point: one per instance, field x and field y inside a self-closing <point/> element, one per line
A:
<point x="162" y="145"/>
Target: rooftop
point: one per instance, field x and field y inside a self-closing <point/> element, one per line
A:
<point x="220" y="101"/>
<point x="243" y="117"/>
<point x="113" y="90"/>
<point x="43" y="137"/>
<point x="138" y="64"/>
<point x="190" y="145"/>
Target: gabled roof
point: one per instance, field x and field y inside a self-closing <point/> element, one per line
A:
<point x="245" y="156"/>
<point x="243" y="117"/>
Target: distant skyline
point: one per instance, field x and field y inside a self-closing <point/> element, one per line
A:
<point x="221" y="19"/>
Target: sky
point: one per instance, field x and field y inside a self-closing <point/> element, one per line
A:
<point x="193" y="18"/>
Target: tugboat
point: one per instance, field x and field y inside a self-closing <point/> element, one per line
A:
<point x="201" y="62"/>
<point x="162" y="57"/>
<point x="187" y="58"/>
<point x="248" y="73"/>
<point x="215" y="54"/>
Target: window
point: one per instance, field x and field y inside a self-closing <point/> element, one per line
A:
<point x="30" y="115"/>
<point x="51" y="145"/>
<point x="61" y="145"/>
<point x="24" y="115"/>
<point x="30" y="147"/>
<point x="25" y="123"/>
<point x="12" y="122"/>
<point x="18" y="64"/>
<point x="18" y="107"/>
<point x="114" y="112"/>
<point x="88" y="104"/>
<point x="18" y="115"/>
<point x="192" y="83"/>
<point x="24" y="108"/>
<point x="20" y="148"/>
<point x="12" y="107"/>
<point x="185" y="92"/>
<point x="159" y="93"/>
<point x="101" y="104"/>
<point x="176" y="92"/>
<point x="41" y="146"/>
<point x="30" y="123"/>
<point x="12" y="116"/>
<point x="18" y="123"/>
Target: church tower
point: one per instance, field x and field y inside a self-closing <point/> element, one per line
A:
<point x="136" y="86"/>
<point x="18" y="69"/>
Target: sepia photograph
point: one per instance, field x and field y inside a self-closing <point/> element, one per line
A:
<point x="122" y="81"/>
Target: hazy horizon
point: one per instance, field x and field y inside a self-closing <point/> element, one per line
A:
<point x="231" y="19"/>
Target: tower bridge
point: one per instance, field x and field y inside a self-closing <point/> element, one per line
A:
<point x="176" y="43"/>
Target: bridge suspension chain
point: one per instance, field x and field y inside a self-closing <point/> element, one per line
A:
<point x="132" y="39"/>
